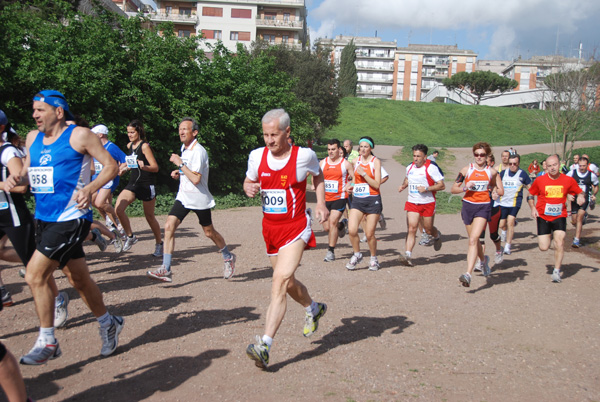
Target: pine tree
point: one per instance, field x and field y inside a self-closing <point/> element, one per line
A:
<point x="348" y="77"/>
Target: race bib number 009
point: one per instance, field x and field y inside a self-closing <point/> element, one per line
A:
<point x="41" y="180"/>
<point x="274" y="201"/>
<point x="553" y="209"/>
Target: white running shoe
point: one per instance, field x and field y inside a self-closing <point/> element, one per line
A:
<point x="556" y="277"/>
<point x="41" y="353"/>
<point x="478" y="265"/>
<point x="110" y="335"/>
<point x="486" y="266"/>
<point x="161" y="274"/>
<point x="507" y="249"/>
<point x="499" y="257"/>
<point x="129" y="242"/>
<point x="374" y="264"/>
<point x="353" y="261"/>
<point x="117" y="242"/>
<point x="61" y="312"/>
<point x="229" y="267"/>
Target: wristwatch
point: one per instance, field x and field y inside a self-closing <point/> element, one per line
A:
<point x="182" y="165"/>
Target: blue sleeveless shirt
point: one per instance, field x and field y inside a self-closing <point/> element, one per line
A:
<point x="56" y="173"/>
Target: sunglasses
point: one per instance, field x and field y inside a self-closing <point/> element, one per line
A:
<point x="479" y="155"/>
<point x="513" y="164"/>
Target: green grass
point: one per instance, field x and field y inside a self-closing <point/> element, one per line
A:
<point x="447" y="204"/>
<point x="438" y="124"/>
<point x="404" y="156"/>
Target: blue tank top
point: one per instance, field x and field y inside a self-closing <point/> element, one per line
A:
<point x="56" y="173"/>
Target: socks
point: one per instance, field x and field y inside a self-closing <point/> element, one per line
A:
<point x="105" y="320"/>
<point x="331" y="248"/>
<point x="47" y="334"/>
<point x="313" y="308"/>
<point x="226" y="253"/>
<point x="408" y="254"/>
<point x="267" y="340"/>
<point x="167" y="261"/>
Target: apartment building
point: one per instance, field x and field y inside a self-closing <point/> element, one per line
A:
<point x="129" y="6"/>
<point x="530" y="73"/>
<point x="374" y="63"/>
<point x="419" y="68"/>
<point x="236" y="21"/>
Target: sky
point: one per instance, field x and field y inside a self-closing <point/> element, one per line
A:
<point x="494" y="29"/>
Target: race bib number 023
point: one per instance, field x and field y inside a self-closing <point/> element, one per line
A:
<point x="274" y="201"/>
<point x="41" y="180"/>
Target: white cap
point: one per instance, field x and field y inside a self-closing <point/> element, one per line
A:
<point x="100" y="129"/>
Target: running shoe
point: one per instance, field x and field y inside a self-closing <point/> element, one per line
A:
<point x="499" y="257"/>
<point x="109" y="223"/>
<point x="6" y="297"/>
<point x="342" y="227"/>
<point x="556" y="277"/>
<point x="311" y="323"/>
<point x="330" y="256"/>
<point x="161" y="274"/>
<point x="507" y="249"/>
<point x="110" y="335"/>
<point x="117" y="242"/>
<point x="382" y="222"/>
<point x="373" y="264"/>
<point x="41" y="353"/>
<point x="99" y="240"/>
<point x="259" y="352"/>
<point x="229" y="267"/>
<point x="592" y="204"/>
<point x="477" y="265"/>
<point x="61" y="312"/>
<point x="575" y="244"/>
<point x="406" y="260"/>
<point x="158" y="250"/>
<point x="503" y="235"/>
<point x="426" y="240"/>
<point x="465" y="279"/>
<point x="486" y="266"/>
<point x="22" y="273"/>
<point x="130" y="242"/>
<point x="437" y="242"/>
<point x="353" y="261"/>
<point x="363" y="239"/>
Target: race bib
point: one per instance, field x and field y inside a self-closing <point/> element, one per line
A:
<point x="41" y="180"/>
<point x="274" y="201"/>
<point x="3" y="201"/>
<point x="131" y="161"/>
<point x="510" y="183"/>
<point x="98" y="167"/>
<point x="331" y="186"/>
<point x="478" y="185"/>
<point x="361" y="190"/>
<point x="412" y="188"/>
<point x="553" y="209"/>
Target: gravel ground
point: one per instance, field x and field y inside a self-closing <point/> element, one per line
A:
<point x="396" y="334"/>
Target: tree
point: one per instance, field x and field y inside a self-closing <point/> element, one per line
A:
<point x="572" y="104"/>
<point x="479" y="83"/>
<point x="314" y="79"/>
<point x="348" y="77"/>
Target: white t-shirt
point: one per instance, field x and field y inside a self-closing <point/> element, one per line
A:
<point x="9" y="153"/>
<point x="307" y="162"/>
<point x="417" y="177"/>
<point x="594" y="168"/>
<point x="190" y="195"/>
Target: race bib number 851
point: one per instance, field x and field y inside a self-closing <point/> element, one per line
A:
<point x="41" y="180"/>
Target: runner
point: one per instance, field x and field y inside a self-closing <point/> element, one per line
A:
<point x="351" y="153"/>
<point x="550" y="212"/>
<point x="143" y="166"/>
<point x="366" y="201"/>
<point x="193" y="196"/>
<point x="103" y="200"/>
<point x="588" y="182"/>
<point x="575" y="164"/>
<point x="58" y="166"/>
<point x="477" y="181"/>
<point x="336" y="172"/>
<point x="513" y="181"/>
<point x="434" y="155"/>
<point x="279" y="171"/>
<point x="423" y="179"/>
<point x="504" y="157"/>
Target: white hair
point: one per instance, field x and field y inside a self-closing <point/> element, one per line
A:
<point x="279" y="115"/>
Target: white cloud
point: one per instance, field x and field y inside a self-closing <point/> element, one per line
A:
<point x="509" y="20"/>
<point x="325" y="30"/>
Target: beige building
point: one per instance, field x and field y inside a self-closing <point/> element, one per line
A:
<point x="530" y="73"/>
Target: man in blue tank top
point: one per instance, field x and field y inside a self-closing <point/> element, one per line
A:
<point x="58" y="167"/>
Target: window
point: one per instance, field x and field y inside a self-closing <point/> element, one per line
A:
<point x="168" y="10"/>
<point x="218" y="34"/>
<point x="269" y="38"/>
<point x="234" y="35"/>
<point x="285" y="38"/>
<point x="241" y="13"/>
<point x="244" y="36"/>
<point x="286" y="17"/>
<point x="270" y="15"/>
<point x="183" y="33"/>
<point x="185" y="11"/>
<point x="211" y="34"/>
<point x="212" y="11"/>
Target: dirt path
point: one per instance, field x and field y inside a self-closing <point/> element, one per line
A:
<point x="396" y="334"/>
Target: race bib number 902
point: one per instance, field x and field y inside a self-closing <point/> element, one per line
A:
<point x="41" y="180"/>
<point x="274" y="201"/>
<point x="553" y="209"/>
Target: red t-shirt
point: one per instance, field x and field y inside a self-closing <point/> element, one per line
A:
<point x="552" y="195"/>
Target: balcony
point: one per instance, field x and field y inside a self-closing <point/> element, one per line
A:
<point x="268" y="3"/>
<point x="375" y="80"/>
<point x="173" y="17"/>
<point x="374" y="55"/>
<point x="363" y="67"/>
<point x="279" y="24"/>
<point x="364" y="91"/>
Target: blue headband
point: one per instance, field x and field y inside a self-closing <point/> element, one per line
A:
<point x="55" y="99"/>
<point x="367" y="141"/>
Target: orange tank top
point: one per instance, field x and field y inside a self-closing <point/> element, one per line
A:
<point x="480" y="180"/>
<point x="361" y="187"/>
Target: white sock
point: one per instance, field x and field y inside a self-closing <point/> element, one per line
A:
<point x="105" y="320"/>
<point x="47" y="334"/>
<point x="313" y="308"/>
<point x="267" y="340"/>
<point x="358" y="255"/>
<point x="408" y="254"/>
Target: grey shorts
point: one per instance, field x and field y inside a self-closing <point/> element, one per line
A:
<point x="368" y="205"/>
<point x="471" y="211"/>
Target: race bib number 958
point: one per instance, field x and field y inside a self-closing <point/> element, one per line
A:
<point x="41" y="180"/>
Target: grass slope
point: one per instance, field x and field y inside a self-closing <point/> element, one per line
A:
<point x="438" y="124"/>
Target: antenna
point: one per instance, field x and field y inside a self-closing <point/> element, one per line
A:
<point x="556" y="48"/>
